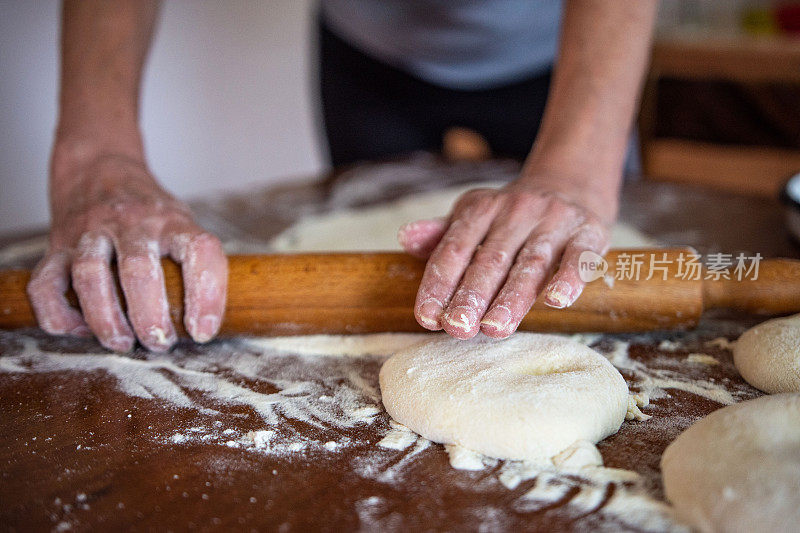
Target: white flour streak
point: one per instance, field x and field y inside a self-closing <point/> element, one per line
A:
<point x="393" y="472"/>
<point x="398" y="438"/>
<point x="388" y="468"/>
<point x="654" y="387"/>
<point x="721" y="342"/>
<point x="11" y="367"/>
<point x="670" y="345"/>
<point x="604" y="491"/>
<point x="702" y="359"/>
<point x="464" y="459"/>
<point x="653" y="381"/>
<point x="350" y="403"/>
<point x="340" y="345"/>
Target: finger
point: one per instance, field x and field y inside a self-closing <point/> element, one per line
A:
<point x="205" y="277"/>
<point x="142" y="281"/>
<point x="529" y="273"/>
<point x="470" y="220"/>
<point x="46" y="289"/>
<point x="490" y="265"/>
<point x="420" y="238"/>
<point x="97" y="293"/>
<point x="567" y="285"/>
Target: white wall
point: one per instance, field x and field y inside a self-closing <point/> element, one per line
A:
<point x="228" y="99"/>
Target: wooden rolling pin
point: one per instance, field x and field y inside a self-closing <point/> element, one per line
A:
<point x="372" y="292"/>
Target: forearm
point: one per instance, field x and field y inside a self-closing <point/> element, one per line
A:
<point x="106" y="205"/>
<point x="104" y="46"/>
<point x="603" y="54"/>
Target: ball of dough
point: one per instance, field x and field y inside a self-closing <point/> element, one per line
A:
<point x="768" y="355"/>
<point x="530" y="396"/>
<point x="738" y="469"/>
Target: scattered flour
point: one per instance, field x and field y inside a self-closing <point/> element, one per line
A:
<point x="398" y="438"/>
<point x="654" y="381"/>
<point x="339" y="345"/>
<point x="721" y="343"/>
<point x="314" y="380"/>
<point x="702" y="358"/>
<point x="464" y="459"/>
<point x="373" y="515"/>
<point x="587" y="339"/>
<point x="670" y="345"/>
<point x="261" y="438"/>
<point x="608" y="492"/>
<point x="389" y="468"/>
<point x="205" y="382"/>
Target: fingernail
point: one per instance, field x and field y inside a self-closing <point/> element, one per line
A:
<point x="408" y="237"/>
<point x="461" y="317"/>
<point x="207" y="327"/>
<point x="122" y="344"/>
<point x="160" y="340"/>
<point x="430" y="313"/>
<point x="498" y="319"/>
<point x="559" y="295"/>
<point x="402" y="234"/>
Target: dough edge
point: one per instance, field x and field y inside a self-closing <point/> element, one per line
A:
<point x="737" y="468"/>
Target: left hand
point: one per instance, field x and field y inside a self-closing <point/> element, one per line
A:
<point x="488" y="262"/>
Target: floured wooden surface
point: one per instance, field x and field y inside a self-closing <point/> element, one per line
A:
<point x="260" y="432"/>
<point x="289" y="434"/>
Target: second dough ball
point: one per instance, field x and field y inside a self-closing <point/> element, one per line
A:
<point x="768" y="355"/>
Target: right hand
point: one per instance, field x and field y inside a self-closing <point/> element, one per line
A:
<point x="106" y="206"/>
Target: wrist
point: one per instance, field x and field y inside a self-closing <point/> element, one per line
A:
<point x="89" y="125"/>
<point x="596" y="190"/>
<point x="74" y="155"/>
<point x="582" y="155"/>
<point x="75" y="148"/>
<point x="582" y="166"/>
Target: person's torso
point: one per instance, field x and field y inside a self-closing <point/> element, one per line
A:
<point x="463" y="44"/>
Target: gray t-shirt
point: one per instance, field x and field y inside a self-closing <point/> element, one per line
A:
<point x="461" y="44"/>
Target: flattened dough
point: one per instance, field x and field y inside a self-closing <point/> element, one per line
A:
<point x="768" y="355"/>
<point x="375" y="228"/>
<point x="738" y="469"/>
<point x="528" y="397"/>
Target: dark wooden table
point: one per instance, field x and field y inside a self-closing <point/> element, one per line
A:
<point x="146" y="442"/>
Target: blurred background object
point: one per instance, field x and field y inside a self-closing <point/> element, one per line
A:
<point x="230" y="98"/>
<point x="721" y="105"/>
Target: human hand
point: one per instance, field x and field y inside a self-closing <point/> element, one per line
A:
<point x="490" y="259"/>
<point x="110" y="206"/>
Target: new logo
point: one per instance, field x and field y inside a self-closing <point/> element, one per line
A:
<point x="591" y="266"/>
